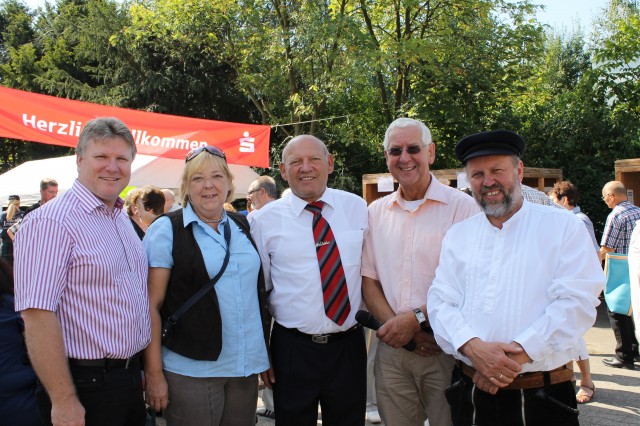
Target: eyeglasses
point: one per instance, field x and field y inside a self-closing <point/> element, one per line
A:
<point x="213" y="150"/>
<point x="604" y="197"/>
<point x="253" y="190"/>
<point x="411" y="150"/>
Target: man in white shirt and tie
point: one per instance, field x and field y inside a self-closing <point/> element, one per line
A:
<point x="310" y="243"/>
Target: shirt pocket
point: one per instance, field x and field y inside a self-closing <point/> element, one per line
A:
<point x="350" y="246"/>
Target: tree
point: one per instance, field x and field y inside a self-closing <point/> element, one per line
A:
<point x="618" y="59"/>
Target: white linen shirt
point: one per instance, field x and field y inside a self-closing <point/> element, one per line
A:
<point x="535" y="281"/>
<point x="283" y="233"/>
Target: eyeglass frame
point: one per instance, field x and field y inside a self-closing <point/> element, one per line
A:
<point x="213" y="150"/>
<point x="604" y="197"/>
<point x="397" y="151"/>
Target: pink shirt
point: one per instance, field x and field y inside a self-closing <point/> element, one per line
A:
<point x="402" y="248"/>
<point x="83" y="261"/>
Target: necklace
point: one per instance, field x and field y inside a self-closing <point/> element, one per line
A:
<point x="211" y="220"/>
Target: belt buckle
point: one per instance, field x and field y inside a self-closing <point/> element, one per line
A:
<point x="320" y="338"/>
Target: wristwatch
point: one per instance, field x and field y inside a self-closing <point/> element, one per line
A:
<point x="422" y="320"/>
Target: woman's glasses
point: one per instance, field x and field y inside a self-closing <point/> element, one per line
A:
<point x="210" y="149"/>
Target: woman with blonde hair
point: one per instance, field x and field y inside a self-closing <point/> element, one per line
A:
<point x="208" y="304"/>
<point x="11" y="216"/>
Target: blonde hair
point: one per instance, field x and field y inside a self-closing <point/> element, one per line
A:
<point x="130" y="200"/>
<point x="151" y="197"/>
<point x="12" y="209"/>
<point x="199" y="163"/>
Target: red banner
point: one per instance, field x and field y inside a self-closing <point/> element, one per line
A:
<point x="47" y="119"/>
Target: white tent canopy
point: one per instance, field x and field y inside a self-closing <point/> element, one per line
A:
<point x="24" y="180"/>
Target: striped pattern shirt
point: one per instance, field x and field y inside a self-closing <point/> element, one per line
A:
<point x="76" y="257"/>
<point x="537" y="197"/>
<point x="619" y="227"/>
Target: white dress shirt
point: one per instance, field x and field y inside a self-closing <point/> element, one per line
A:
<point x="283" y="233"/>
<point x="535" y="281"/>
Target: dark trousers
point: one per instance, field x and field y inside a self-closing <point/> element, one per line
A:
<point x="472" y="407"/>
<point x="624" y="331"/>
<point x="110" y="397"/>
<point x="308" y="373"/>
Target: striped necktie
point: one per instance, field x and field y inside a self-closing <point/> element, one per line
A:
<point x="334" y="284"/>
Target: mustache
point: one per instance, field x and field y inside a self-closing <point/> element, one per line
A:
<point x="495" y="186"/>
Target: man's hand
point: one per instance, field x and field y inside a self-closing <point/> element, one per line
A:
<point x="67" y="412"/>
<point x="520" y="356"/>
<point x="426" y="344"/>
<point x="43" y="335"/>
<point x="268" y="377"/>
<point x="156" y="391"/>
<point x="485" y="385"/>
<point x="494" y="368"/>
<point x="397" y="331"/>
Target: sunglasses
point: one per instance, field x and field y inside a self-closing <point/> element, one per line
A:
<point x="411" y="150"/>
<point x="213" y="150"/>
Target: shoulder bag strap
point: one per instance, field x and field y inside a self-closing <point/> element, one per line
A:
<point x="173" y="319"/>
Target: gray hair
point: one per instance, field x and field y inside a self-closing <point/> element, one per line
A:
<point x="406" y="122"/>
<point x="268" y="184"/>
<point x="102" y="128"/>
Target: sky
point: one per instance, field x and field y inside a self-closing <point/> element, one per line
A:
<point x="559" y="14"/>
<point x="565" y="14"/>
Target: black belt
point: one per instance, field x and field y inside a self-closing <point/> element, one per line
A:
<point x="320" y="338"/>
<point x="106" y="363"/>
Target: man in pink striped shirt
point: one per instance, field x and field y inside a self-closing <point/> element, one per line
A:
<point x="81" y="285"/>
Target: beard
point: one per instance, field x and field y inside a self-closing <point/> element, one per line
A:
<point x="503" y="208"/>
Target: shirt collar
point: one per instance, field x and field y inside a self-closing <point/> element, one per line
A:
<point x="298" y="204"/>
<point x="189" y="216"/>
<point x="435" y="192"/>
<point x="88" y="200"/>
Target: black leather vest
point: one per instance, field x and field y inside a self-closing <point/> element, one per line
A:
<point x="198" y="333"/>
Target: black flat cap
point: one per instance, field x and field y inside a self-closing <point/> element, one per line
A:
<point x="494" y="142"/>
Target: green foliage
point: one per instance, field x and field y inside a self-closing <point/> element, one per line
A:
<point x="342" y="70"/>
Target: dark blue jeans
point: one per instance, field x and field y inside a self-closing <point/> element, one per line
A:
<point x="110" y="397"/>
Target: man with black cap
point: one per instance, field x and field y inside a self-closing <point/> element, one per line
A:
<point x="515" y="290"/>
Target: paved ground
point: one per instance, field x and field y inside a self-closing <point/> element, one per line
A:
<point x="617" y="399"/>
